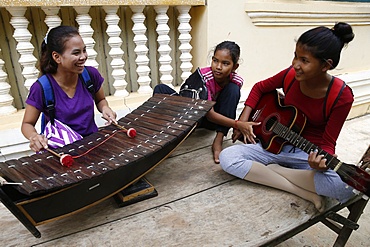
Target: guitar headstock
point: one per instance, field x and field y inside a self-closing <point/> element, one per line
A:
<point x="355" y="177"/>
<point x="364" y="165"/>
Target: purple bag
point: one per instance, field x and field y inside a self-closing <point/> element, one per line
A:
<point x="60" y="134"/>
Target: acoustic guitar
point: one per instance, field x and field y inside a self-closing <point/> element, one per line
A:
<point x="281" y="124"/>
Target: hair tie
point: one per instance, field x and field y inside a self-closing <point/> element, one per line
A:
<point x="334" y="31"/>
<point x="46" y="39"/>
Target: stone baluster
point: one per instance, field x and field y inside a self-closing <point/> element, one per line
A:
<point x="52" y="19"/>
<point x="141" y="49"/>
<point x="184" y="38"/>
<point x="84" y="19"/>
<point x="164" y="49"/>
<point x="6" y="99"/>
<point x="24" y="46"/>
<point x="116" y="53"/>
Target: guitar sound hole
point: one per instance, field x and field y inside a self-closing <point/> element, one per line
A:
<point x="271" y="123"/>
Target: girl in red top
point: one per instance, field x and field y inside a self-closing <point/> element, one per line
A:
<point x="317" y="51"/>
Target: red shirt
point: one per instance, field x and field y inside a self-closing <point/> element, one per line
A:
<point x="318" y="130"/>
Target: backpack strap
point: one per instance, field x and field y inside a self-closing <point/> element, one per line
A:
<point x="87" y="81"/>
<point x="289" y="77"/>
<point x="48" y="97"/>
<point x="333" y="93"/>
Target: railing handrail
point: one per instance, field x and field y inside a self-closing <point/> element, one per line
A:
<point x="43" y="3"/>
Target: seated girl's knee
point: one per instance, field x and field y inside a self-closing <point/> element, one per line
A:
<point x="231" y="91"/>
<point x="160" y="88"/>
<point x="223" y="160"/>
<point x="164" y="89"/>
<point x="232" y="88"/>
<point x="229" y="166"/>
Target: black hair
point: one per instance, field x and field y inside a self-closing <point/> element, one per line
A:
<point x="54" y="41"/>
<point x="233" y="48"/>
<point x="325" y="43"/>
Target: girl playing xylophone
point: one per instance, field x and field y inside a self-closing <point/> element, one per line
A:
<point x="291" y="169"/>
<point x="223" y="86"/>
<point x="63" y="57"/>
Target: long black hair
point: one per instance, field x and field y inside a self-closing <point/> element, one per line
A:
<point x="54" y="41"/>
<point x="325" y="43"/>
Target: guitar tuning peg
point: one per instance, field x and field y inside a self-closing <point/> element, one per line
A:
<point x="356" y="192"/>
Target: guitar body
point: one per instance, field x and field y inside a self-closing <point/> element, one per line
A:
<point x="281" y="124"/>
<point x="269" y="111"/>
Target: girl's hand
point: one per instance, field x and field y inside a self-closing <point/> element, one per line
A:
<point x="109" y="115"/>
<point x="236" y="135"/>
<point x="317" y="162"/>
<point x="246" y="128"/>
<point x="38" y="142"/>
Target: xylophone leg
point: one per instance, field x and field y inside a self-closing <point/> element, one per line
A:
<point x="17" y="213"/>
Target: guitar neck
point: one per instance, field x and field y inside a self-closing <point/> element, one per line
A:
<point x="305" y="145"/>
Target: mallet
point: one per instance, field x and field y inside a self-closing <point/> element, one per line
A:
<point x="65" y="159"/>
<point x="131" y="132"/>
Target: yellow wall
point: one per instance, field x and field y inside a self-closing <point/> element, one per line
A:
<point x="268" y="43"/>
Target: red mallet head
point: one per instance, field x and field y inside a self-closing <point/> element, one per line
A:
<point x="131" y="132"/>
<point x="66" y="160"/>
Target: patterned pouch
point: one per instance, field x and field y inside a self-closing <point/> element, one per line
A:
<point x="60" y="134"/>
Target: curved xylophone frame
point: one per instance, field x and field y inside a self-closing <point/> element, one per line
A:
<point x="105" y="162"/>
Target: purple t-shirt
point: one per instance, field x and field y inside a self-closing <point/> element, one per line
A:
<point x="76" y="112"/>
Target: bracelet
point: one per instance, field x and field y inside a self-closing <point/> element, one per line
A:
<point x="236" y="124"/>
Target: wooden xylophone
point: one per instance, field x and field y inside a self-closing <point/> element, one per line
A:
<point x="104" y="163"/>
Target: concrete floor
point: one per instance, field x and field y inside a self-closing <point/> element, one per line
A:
<point x="198" y="205"/>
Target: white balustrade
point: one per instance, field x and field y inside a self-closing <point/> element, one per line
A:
<point x="116" y="53"/>
<point x="184" y="38"/>
<point x="52" y="19"/>
<point x="164" y="49"/>
<point x="25" y="48"/>
<point x="84" y="19"/>
<point x="6" y="99"/>
<point x="138" y="67"/>
<point x="141" y="49"/>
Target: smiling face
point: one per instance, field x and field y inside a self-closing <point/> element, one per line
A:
<point x="306" y="66"/>
<point x="73" y="57"/>
<point x="222" y="65"/>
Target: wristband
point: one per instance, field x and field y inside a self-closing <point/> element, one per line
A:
<point x="236" y="125"/>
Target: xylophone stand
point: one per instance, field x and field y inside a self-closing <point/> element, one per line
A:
<point x="9" y="204"/>
<point x="136" y="192"/>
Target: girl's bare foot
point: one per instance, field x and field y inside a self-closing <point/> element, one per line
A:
<point x="217" y="147"/>
<point x="319" y="202"/>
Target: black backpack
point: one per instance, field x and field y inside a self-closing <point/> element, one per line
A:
<point x="194" y="87"/>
